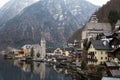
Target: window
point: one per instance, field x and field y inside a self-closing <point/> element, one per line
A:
<point x="105" y="57"/>
<point x="101" y="52"/>
<point x="95" y="52"/>
<point x="95" y="58"/>
<point x="101" y="62"/>
<point x="101" y="58"/>
<point x="113" y="46"/>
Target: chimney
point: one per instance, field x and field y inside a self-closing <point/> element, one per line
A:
<point x="104" y="43"/>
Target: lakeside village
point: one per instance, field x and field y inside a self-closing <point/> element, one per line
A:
<point x="98" y="53"/>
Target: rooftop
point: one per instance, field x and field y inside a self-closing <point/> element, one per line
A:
<point x="110" y="78"/>
<point x="112" y="64"/>
<point x="98" y="26"/>
<point x="101" y="45"/>
<point x="115" y="73"/>
<point x="118" y="22"/>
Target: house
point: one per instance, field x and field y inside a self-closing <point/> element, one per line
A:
<point x="58" y="52"/>
<point x="50" y="51"/>
<point x="74" y="43"/>
<point x="92" y="29"/>
<point x="117" y="29"/>
<point x="21" y="53"/>
<point x="38" y="48"/>
<point x="114" y="55"/>
<point x="115" y="43"/>
<point x="114" y="73"/>
<point x="66" y="53"/>
<point x="17" y="53"/>
<point x="70" y="49"/>
<point x="108" y="35"/>
<point x="27" y="47"/>
<point x="112" y="66"/>
<point x="117" y="26"/>
<point x="97" y="52"/>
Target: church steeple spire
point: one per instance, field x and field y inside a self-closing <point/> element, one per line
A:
<point x="42" y="34"/>
<point x="42" y="39"/>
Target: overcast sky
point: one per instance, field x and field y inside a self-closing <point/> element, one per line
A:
<point x="97" y="2"/>
<point x="2" y="2"/>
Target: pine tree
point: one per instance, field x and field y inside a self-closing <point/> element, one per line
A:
<point x="85" y="44"/>
<point x="113" y="17"/>
<point x="32" y="52"/>
<point x="84" y="65"/>
<point x="38" y="55"/>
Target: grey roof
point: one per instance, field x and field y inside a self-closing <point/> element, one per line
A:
<point x="115" y="73"/>
<point x="107" y="33"/>
<point x="110" y="78"/>
<point x="98" y="26"/>
<point x="35" y="45"/>
<point x="100" y="45"/>
<point x="112" y="64"/>
<point x="118" y="22"/>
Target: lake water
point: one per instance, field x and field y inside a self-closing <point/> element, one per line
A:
<point x="17" y="70"/>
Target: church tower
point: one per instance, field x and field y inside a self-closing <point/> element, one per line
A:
<point x="94" y="19"/>
<point x="43" y="44"/>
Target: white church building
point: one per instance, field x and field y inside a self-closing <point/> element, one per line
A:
<point x="38" y="48"/>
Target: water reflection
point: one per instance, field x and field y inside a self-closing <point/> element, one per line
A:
<point x="33" y="67"/>
<point x="18" y="70"/>
<point x="48" y="71"/>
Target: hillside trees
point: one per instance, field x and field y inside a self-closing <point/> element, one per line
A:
<point x="32" y="52"/>
<point x="113" y="17"/>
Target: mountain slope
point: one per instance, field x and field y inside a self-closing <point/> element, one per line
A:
<point x="58" y="19"/>
<point x="12" y="8"/>
<point x="76" y="35"/>
<point x="103" y="13"/>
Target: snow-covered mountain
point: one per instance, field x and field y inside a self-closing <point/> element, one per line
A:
<point x="12" y="8"/>
<point x="58" y="18"/>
